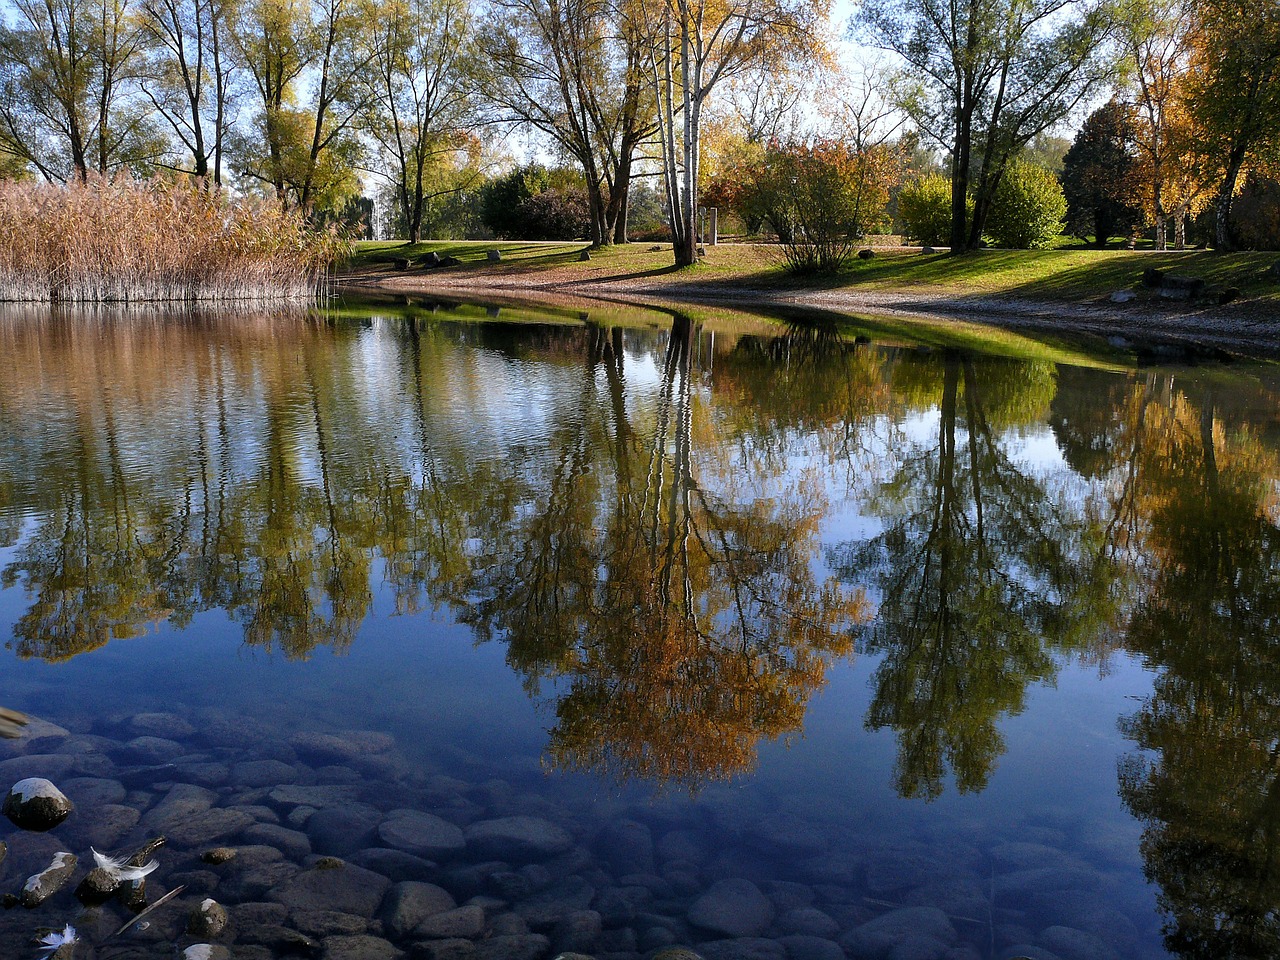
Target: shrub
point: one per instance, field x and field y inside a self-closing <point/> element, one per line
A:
<point x="534" y="203"/>
<point x="832" y="194"/>
<point x="924" y="207"/>
<point x="116" y="239"/>
<point x="1027" y="209"/>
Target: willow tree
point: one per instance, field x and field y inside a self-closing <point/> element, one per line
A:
<point x="691" y="48"/>
<point x="188" y="76"/>
<point x="306" y="60"/>
<point x="983" y="78"/>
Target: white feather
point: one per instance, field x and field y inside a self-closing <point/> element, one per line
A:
<point x="115" y="866"/>
<point x="50" y="943"/>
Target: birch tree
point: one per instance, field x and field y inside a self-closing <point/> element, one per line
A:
<point x="692" y="47"/>
<point x="1156" y="38"/>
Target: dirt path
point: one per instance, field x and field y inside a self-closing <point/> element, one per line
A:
<point x="1234" y="329"/>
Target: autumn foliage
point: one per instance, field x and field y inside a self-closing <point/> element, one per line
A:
<point x="820" y="198"/>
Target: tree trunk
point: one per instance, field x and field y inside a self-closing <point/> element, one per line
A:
<point x="1223" y="239"/>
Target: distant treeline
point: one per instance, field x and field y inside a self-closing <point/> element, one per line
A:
<point x="420" y="104"/>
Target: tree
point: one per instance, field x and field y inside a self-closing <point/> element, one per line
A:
<point x="986" y="77"/>
<point x="305" y="147"/>
<point x="979" y="572"/>
<point x="420" y="85"/>
<point x="691" y="46"/>
<point x="1097" y="175"/>
<point x="573" y="71"/>
<point x="1155" y="35"/>
<point x="1028" y="207"/>
<point x="188" y="76"/>
<point x="66" y="87"/>
<point x="1235" y="91"/>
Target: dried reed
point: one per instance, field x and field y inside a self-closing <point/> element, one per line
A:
<point x="116" y="239"/>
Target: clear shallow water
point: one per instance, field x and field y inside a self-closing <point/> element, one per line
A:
<point x="876" y="629"/>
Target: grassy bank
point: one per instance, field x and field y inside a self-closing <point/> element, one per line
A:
<point x="111" y="240"/>
<point x="1067" y="276"/>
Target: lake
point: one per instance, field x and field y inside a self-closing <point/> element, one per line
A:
<point x="505" y="631"/>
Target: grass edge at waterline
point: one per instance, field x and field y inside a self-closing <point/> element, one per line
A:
<point x="115" y="239"/>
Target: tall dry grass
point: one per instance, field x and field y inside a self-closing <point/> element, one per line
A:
<point x="117" y="239"/>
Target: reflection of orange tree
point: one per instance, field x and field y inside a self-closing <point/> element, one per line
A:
<point x="980" y="572"/>
<point x="1210" y="795"/>
<point x="683" y="625"/>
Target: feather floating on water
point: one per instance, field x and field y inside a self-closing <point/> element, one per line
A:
<point x="119" y="868"/>
<point x="51" y="943"/>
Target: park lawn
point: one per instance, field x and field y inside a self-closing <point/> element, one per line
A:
<point x="1045" y="275"/>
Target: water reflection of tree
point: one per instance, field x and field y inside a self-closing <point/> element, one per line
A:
<point x="678" y="615"/>
<point x="128" y="542"/>
<point x="1209" y="794"/>
<point x="982" y="573"/>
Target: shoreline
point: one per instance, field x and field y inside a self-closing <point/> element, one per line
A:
<point x="1237" y="330"/>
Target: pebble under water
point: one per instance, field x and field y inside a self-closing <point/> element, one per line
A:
<point x="337" y="847"/>
<point x="434" y="631"/>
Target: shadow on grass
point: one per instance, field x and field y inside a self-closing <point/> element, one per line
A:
<point x="1030" y="274"/>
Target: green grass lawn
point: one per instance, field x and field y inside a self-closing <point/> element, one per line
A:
<point x="1067" y="275"/>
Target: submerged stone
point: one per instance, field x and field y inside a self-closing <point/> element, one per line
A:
<point x="36" y="804"/>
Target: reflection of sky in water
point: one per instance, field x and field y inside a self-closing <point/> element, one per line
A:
<point x="447" y="697"/>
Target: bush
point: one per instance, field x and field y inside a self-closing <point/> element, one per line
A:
<point x="832" y="195"/>
<point x="924" y="207"/>
<point x="534" y="203"/>
<point x="1027" y="209"/>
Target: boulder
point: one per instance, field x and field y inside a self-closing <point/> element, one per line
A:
<point x="733" y="907"/>
<point x="344" y="888"/>
<point x="36" y="804"/>
<point x="48" y="881"/>
<point x="517" y="839"/>
<point x="421" y="834"/>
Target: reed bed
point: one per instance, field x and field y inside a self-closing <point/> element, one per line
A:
<point x="115" y="239"/>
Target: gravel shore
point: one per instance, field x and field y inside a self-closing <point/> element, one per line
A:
<point x="1233" y="330"/>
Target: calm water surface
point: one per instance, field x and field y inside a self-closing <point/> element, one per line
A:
<point x="795" y="648"/>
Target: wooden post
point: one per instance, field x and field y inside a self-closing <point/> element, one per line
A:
<point x="715" y="229"/>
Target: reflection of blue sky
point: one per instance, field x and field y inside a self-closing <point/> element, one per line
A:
<point x="425" y="679"/>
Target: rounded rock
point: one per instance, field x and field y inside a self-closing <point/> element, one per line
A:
<point x="37" y="805"/>
<point x="519" y="838"/>
<point x="207" y="919"/>
<point x="422" y="834"/>
<point x="733" y="907"/>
